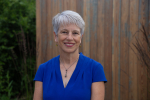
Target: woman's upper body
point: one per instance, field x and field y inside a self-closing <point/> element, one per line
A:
<point x="69" y="76"/>
<point x="87" y="71"/>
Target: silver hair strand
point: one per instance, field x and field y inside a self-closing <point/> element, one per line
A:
<point x="68" y="17"/>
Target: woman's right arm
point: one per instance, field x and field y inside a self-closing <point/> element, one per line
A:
<point x="38" y="92"/>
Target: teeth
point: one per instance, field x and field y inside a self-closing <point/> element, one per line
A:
<point x="69" y="44"/>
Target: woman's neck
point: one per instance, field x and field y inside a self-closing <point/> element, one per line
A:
<point x="69" y="58"/>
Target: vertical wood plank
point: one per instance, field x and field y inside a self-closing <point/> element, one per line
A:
<point x="148" y="74"/>
<point x="53" y="10"/>
<point x="73" y="5"/>
<point x="86" y="36"/>
<point x="116" y="50"/>
<point x="108" y="47"/>
<point x="59" y="10"/>
<point x="142" y="73"/>
<point x="133" y="88"/>
<point x="79" y="9"/>
<point x="93" y="29"/>
<point x="66" y="4"/>
<point x="124" y="53"/>
<point x="55" y="4"/>
<point x="44" y="30"/>
<point x="60" y="5"/>
<point x="49" y="29"/>
<point x="100" y="32"/>
<point x="38" y="34"/>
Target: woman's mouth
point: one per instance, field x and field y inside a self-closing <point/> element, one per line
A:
<point x="69" y="44"/>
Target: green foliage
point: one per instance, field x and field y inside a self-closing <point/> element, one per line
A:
<point x="17" y="49"/>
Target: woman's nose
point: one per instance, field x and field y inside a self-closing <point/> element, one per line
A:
<point x="69" y="36"/>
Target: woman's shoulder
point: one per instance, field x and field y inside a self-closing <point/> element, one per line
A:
<point x="46" y="68"/>
<point x="49" y="63"/>
<point x="89" y="62"/>
<point x="95" y="69"/>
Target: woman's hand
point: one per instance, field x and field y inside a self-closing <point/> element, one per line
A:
<point x="98" y="91"/>
<point x="38" y="92"/>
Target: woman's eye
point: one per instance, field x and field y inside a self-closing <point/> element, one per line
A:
<point x="75" y="33"/>
<point x="64" y="32"/>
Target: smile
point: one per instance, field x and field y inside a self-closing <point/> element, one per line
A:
<point x="69" y="44"/>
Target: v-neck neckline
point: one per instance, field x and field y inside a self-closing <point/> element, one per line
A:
<point x="74" y="74"/>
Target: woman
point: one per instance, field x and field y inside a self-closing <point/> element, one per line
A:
<point x="71" y="75"/>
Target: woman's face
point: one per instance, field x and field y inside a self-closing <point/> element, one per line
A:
<point x="68" y="38"/>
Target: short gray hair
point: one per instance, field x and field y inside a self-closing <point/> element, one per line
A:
<point x="68" y="17"/>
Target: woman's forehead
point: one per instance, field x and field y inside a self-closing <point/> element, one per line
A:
<point x="66" y="26"/>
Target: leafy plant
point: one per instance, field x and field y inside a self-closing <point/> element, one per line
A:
<point x="17" y="49"/>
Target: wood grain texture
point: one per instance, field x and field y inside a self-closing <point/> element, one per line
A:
<point x="142" y="72"/>
<point x="79" y="9"/>
<point x="148" y="74"/>
<point x="124" y="49"/>
<point x="100" y="31"/>
<point x="110" y="26"/>
<point x="108" y="46"/>
<point x="51" y="43"/>
<point x="66" y="4"/>
<point x="133" y="87"/>
<point x="55" y="10"/>
<point x="44" y="30"/>
<point x="38" y="34"/>
<point x="116" y="50"/>
<point x="93" y="29"/>
<point x="73" y="5"/>
<point x="86" y="36"/>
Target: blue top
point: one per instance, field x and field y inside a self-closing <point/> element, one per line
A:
<point x="86" y="72"/>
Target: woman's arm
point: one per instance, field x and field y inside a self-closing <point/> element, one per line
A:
<point x="38" y="92"/>
<point x="98" y="91"/>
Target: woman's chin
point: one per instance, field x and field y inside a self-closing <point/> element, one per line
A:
<point x="69" y="51"/>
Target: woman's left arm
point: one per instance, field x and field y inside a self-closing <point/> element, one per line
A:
<point x="98" y="91"/>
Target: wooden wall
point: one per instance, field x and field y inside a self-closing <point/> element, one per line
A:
<point x="110" y="29"/>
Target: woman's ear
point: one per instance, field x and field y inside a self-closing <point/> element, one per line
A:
<point x="55" y="36"/>
<point x="81" y="38"/>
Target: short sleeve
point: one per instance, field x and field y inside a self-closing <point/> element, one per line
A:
<point x="98" y="74"/>
<point x="39" y="74"/>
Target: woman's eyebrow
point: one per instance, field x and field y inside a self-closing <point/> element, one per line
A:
<point x="76" y="31"/>
<point x="64" y="30"/>
<point x="67" y="30"/>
